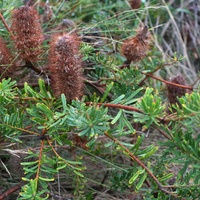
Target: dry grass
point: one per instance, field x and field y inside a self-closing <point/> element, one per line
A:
<point x="179" y="34"/>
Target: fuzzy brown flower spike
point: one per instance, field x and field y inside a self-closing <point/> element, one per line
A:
<point x="65" y="66"/>
<point x="135" y="4"/>
<point x="6" y="66"/>
<point x="28" y="33"/>
<point x="174" y="91"/>
<point x="134" y="49"/>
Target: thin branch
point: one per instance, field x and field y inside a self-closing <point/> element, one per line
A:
<point x="162" y="132"/>
<point x="58" y="156"/>
<point x="155" y="70"/>
<point x="130" y="108"/>
<point x="21" y="129"/>
<point x="141" y="164"/>
<point x="39" y="162"/>
<point x="7" y="27"/>
<point x="10" y="191"/>
<point x="195" y="81"/>
<point x="168" y="82"/>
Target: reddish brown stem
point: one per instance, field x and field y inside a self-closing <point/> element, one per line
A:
<point x="10" y="191"/>
<point x="40" y="160"/>
<point x="195" y="81"/>
<point x="131" y="108"/>
<point x="157" y="68"/>
<point x="168" y="82"/>
<point x="110" y="105"/>
<point x="163" y="133"/>
<point x="133" y="157"/>
<point x="6" y="25"/>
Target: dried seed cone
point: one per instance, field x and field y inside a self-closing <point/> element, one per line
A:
<point x="6" y="59"/>
<point x="80" y="141"/>
<point x="136" y="48"/>
<point x="135" y="4"/>
<point x="28" y="33"/>
<point x="65" y="66"/>
<point x="174" y="91"/>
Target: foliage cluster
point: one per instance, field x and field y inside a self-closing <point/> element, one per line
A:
<point x="122" y="138"/>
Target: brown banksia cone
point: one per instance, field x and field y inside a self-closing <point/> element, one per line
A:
<point x="136" y="48"/>
<point x="28" y="32"/>
<point x="6" y="59"/>
<point x="135" y="4"/>
<point x="175" y="91"/>
<point x="80" y="141"/>
<point x="65" y="66"/>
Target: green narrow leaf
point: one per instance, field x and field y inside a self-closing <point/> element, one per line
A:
<point x="33" y="185"/>
<point x="138" y="143"/>
<point x="26" y="87"/>
<point x="25" y="179"/>
<point x="129" y="125"/>
<point x="148" y="151"/>
<point x="108" y="144"/>
<point x="91" y="142"/>
<point x="135" y="176"/>
<point x="62" y="167"/>
<point x="117" y="117"/>
<point x="42" y="88"/>
<point x="141" y="181"/>
<point x="45" y="110"/>
<point x="78" y="173"/>
<point x="107" y="92"/>
<point x="118" y="99"/>
<point x="166" y="177"/>
<point x="29" y="163"/>
<point x="131" y="99"/>
<point x="73" y="162"/>
<point x="46" y="179"/>
<point x="64" y="102"/>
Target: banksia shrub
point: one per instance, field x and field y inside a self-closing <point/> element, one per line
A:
<point x="65" y="66"/>
<point x="6" y="59"/>
<point x="135" y="48"/>
<point x="28" y="33"/>
<point x="135" y="4"/>
<point x="175" y="91"/>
